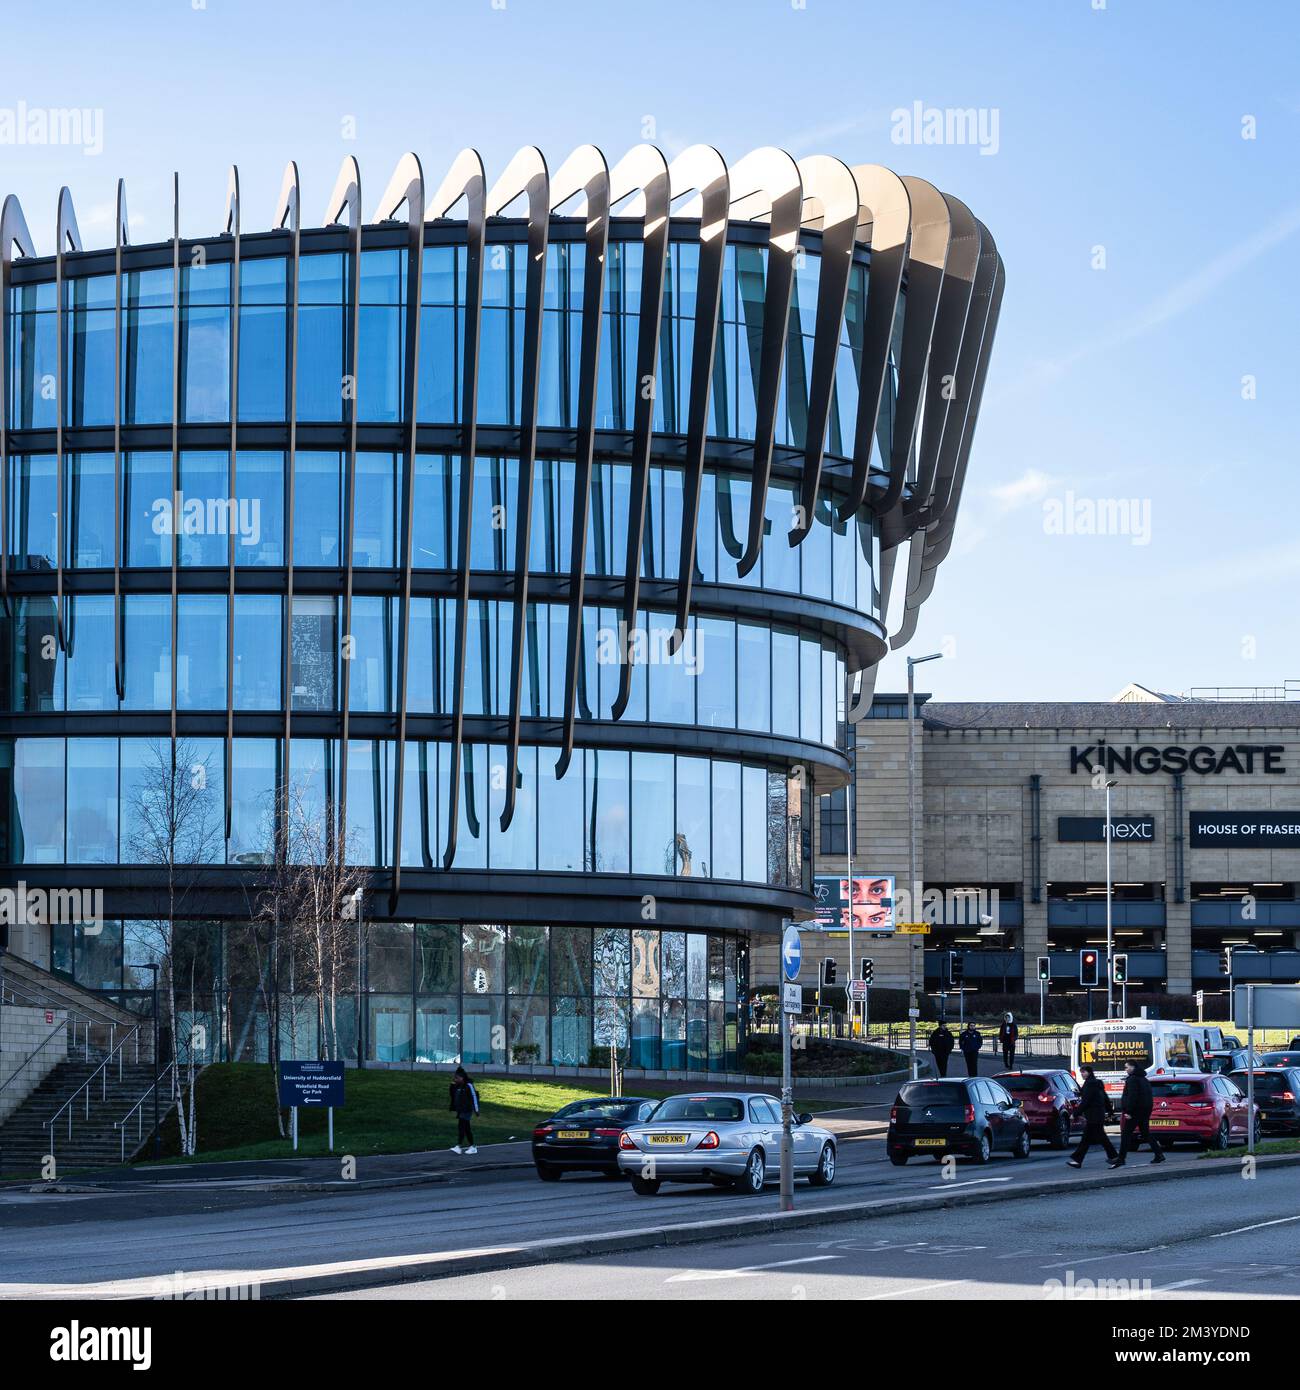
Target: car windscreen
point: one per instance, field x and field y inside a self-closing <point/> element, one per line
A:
<point x="940" y="1093"/>
<point x="700" y="1108"/>
<point x="1266" y="1083"/>
<point x="1109" y="1050"/>
<point x="597" y="1109"/>
<point x="1281" y="1059"/>
<point x="1167" y="1090"/>
<point x="1027" y="1083"/>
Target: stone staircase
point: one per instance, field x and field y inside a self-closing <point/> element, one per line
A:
<point x="95" y="1142"/>
<point x="98" y="1030"/>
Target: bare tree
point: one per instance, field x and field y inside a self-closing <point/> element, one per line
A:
<point x="176" y="826"/>
<point x="311" y="901"/>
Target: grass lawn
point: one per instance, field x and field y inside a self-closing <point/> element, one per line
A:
<point x="386" y="1112"/>
<point x="1265" y="1146"/>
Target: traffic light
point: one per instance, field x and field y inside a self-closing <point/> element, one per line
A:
<point x="956" y="966"/>
<point x="1225" y="961"/>
<point x="1089" y="969"/>
<point x="828" y="972"/>
<point x="1044" y="967"/>
<point x="1119" y="970"/>
<point x="868" y="970"/>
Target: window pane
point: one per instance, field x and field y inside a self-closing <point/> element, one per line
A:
<point x="693" y="816"/>
<point x="147" y="652"/>
<point x="652" y="813"/>
<point x="257" y="651"/>
<point x="201" y="651"/>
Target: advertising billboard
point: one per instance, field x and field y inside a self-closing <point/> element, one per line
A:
<point x="873" y="902"/>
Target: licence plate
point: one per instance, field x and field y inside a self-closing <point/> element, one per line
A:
<point x="929" y="1143"/>
<point x="1164" y="1124"/>
<point x="573" y="1134"/>
<point x="665" y="1138"/>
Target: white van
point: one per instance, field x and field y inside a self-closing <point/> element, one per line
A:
<point x="1163" y="1047"/>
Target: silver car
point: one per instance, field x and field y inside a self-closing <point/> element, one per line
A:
<point x="730" y="1140"/>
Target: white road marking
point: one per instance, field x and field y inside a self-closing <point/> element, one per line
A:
<point x="915" y="1288"/>
<point x="973" y="1182"/>
<point x="1181" y="1284"/>
<point x="695" y="1276"/>
<point x="1259" y="1225"/>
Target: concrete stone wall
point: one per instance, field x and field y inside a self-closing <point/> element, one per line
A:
<point x="22" y="1031"/>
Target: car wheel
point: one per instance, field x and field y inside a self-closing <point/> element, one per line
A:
<point x="752" y="1180"/>
<point x="898" y="1159"/>
<point x="984" y="1150"/>
<point x="825" y="1174"/>
<point x="1223" y="1136"/>
<point x="547" y="1173"/>
<point x="1022" y="1145"/>
<point x="645" y="1187"/>
<point x="1061" y="1134"/>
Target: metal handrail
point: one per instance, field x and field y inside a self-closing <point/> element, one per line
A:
<point x="12" y="992"/>
<point x="138" y="1110"/>
<point x="100" y="1071"/>
<point x="23" y="1065"/>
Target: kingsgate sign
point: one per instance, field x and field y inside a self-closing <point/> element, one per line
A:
<point x="1147" y="758"/>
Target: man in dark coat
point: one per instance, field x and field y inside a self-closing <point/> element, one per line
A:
<point x="464" y="1105"/>
<point x="970" y="1040"/>
<point x="941" y="1045"/>
<point x="1136" y="1107"/>
<point x="1008" y="1032"/>
<point x="1095" y="1107"/>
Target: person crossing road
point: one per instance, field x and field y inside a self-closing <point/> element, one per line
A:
<point x="1095" y="1107"/>
<point x="1136" y="1105"/>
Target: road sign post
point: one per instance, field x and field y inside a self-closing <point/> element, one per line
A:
<point x="791" y="957"/>
<point x="314" y="1085"/>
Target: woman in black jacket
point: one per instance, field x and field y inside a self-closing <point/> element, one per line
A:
<point x="1095" y="1107"/>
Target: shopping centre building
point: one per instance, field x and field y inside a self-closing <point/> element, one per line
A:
<point x="514" y="546"/>
<point x="1011" y="839"/>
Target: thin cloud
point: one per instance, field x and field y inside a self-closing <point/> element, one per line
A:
<point x="1175" y="301"/>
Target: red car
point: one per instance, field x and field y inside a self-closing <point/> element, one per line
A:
<point x="1208" y="1110"/>
<point x="1051" y="1103"/>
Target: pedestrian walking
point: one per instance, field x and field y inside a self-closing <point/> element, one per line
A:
<point x="1008" y="1032"/>
<point x="970" y="1040"/>
<point x="1135" y="1120"/>
<point x="464" y="1105"/>
<point x="1095" y="1107"/>
<point x="941" y="1046"/>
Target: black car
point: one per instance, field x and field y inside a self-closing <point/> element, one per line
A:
<point x="972" y="1116"/>
<point x="1224" y="1061"/>
<point x="1277" y="1097"/>
<point x="1289" y="1058"/>
<point x="583" y="1135"/>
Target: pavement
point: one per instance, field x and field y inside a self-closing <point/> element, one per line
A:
<point x="1222" y="1238"/>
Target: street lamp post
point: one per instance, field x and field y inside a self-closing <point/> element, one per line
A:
<point x="914" y="888"/>
<point x="1110" y="934"/>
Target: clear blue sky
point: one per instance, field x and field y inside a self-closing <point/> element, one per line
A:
<point x="1118" y="127"/>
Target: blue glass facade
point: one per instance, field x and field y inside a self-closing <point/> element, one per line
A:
<point x="236" y="473"/>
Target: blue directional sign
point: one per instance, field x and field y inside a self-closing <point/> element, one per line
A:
<point x="791" y="953"/>
<point x="311" y="1084"/>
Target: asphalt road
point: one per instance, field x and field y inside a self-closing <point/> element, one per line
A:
<point x="80" y="1242"/>
<point x="1218" y="1237"/>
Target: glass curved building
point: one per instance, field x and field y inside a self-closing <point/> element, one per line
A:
<point x="528" y="537"/>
